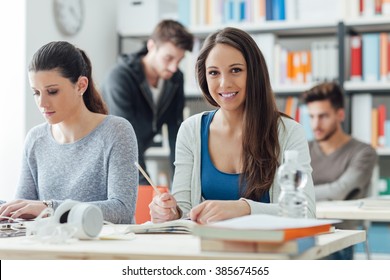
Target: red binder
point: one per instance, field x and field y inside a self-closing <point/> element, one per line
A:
<point x="356" y="58"/>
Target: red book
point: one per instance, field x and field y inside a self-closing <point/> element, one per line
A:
<point x="381" y="125"/>
<point x="356" y="58"/>
<point x="297" y="119"/>
<point x="378" y="7"/>
<point x="361" y="7"/>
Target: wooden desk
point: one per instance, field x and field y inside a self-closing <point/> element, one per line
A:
<point x="351" y="210"/>
<point x="161" y="246"/>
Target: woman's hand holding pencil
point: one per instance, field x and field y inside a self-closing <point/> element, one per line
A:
<point x="163" y="206"/>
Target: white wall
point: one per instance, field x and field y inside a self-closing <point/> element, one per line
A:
<point x="33" y="25"/>
<point x="12" y="112"/>
<point x="97" y="38"/>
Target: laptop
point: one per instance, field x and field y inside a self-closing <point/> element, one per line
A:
<point x="11" y="228"/>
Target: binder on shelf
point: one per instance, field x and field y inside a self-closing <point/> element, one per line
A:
<point x="378" y="7"/>
<point x="291" y="10"/>
<point x="314" y="10"/>
<point x="266" y="43"/>
<point x="214" y="11"/>
<point x="388" y="56"/>
<point x="368" y="7"/>
<point x="351" y="9"/>
<point x="383" y="56"/>
<point x="381" y="126"/>
<point x="331" y="61"/>
<point x="385" y="7"/>
<point x="278" y="10"/>
<point x="184" y="12"/>
<point x="304" y="119"/>
<point x="374" y="127"/>
<point x="370" y="59"/>
<point x="356" y="58"/>
<point x="202" y="12"/>
<point x="258" y="11"/>
<point x="195" y="11"/>
<point x="361" y="117"/>
<point x="268" y="10"/>
<point x="306" y="66"/>
<point x="387" y="133"/>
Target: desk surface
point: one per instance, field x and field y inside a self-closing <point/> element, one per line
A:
<point x="351" y="210"/>
<point x="161" y="246"/>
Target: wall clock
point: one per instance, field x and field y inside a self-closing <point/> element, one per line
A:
<point x="69" y="15"/>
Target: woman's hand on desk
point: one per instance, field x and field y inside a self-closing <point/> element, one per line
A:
<point x="161" y="208"/>
<point x="217" y="210"/>
<point x="25" y="209"/>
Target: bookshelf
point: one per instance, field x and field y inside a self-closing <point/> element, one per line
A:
<point x="342" y="20"/>
<point x="373" y="88"/>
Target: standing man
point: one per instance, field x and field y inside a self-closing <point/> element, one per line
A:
<point x="147" y="87"/>
<point x="342" y="166"/>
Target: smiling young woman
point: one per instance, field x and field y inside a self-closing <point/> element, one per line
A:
<point x="227" y="159"/>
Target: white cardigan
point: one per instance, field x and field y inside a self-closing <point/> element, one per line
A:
<point x="186" y="186"/>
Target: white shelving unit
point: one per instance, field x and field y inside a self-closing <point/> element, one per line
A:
<point x="297" y="30"/>
<point x="367" y="86"/>
<point x="275" y="27"/>
<point x="383" y="151"/>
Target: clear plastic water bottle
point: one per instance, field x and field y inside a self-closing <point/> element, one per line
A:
<point x="292" y="180"/>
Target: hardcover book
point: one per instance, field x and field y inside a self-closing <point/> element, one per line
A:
<point x="263" y="228"/>
<point x="292" y="247"/>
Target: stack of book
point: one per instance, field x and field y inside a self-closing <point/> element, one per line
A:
<point x="253" y="233"/>
<point x="262" y="234"/>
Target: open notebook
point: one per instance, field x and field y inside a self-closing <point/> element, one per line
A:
<point x="175" y="226"/>
<point x="264" y="228"/>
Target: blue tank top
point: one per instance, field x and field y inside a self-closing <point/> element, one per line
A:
<point x="217" y="185"/>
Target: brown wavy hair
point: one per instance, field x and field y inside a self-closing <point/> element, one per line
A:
<point x="173" y="31"/>
<point x="260" y="143"/>
<point x="71" y="62"/>
<point x="325" y="91"/>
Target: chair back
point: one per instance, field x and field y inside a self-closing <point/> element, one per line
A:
<point x="145" y="196"/>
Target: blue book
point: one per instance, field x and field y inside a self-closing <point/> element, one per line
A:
<point x="304" y="119"/>
<point x="387" y="133"/>
<point x="242" y="11"/>
<point x="229" y="11"/>
<point x="268" y="10"/>
<point x="278" y="10"/>
<point x="370" y="53"/>
<point x="184" y="12"/>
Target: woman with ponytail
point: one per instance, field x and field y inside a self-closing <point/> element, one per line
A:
<point x="80" y="153"/>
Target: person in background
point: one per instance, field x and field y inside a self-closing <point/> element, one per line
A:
<point x="342" y="166"/>
<point x="227" y="160"/>
<point x="147" y="87"/>
<point x="80" y="153"/>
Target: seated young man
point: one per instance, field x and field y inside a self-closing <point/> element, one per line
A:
<point x="342" y="166"/>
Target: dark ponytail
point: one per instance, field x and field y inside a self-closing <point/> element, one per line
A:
<point x="72" y="63"/>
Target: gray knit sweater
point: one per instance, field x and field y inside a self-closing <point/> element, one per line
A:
<point x="98" y="168"/>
